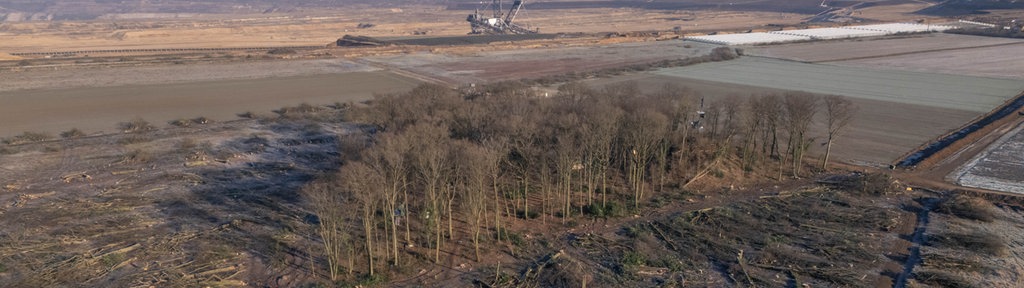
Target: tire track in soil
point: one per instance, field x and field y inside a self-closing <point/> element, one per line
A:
<point x="917" y="239"/>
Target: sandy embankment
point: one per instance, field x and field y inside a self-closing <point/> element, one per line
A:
<point x="7" y="57"/>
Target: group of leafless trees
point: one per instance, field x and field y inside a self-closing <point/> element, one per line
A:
<point x="447" y="165"/>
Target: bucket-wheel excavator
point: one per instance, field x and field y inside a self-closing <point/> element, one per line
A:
<point x="500" y="22"/>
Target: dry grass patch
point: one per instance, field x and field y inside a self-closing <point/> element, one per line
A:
<point x="71" y="134"/>
<point x="968" y="208"/>
<point x="975" y="241"/>
<point x="941" y="278"/>
<point x="135" y="125"/>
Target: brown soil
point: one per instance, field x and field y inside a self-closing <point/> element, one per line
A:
<point x="101" y="108"/>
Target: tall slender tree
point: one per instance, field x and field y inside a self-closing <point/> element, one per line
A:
<point x="800" y="110"/>
<point x="839" y="112"/>
<point x="388" y="159"/>
<point x="641" y="131"/>
<point x="328" y="202"/>
<point x="365" y="184"/>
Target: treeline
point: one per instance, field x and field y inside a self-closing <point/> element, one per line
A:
<point x="443" y="161"/>
<point x="716" y="55"/>
<point x="1015" y="32"/>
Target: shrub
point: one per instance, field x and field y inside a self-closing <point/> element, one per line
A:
<point x="875" y="184"/>
<point x="633" y="231"/>
<point x="180" y="123"/>
<point x="594" y="209"/>
<point x="133" y="139"/>
<point x="110" y="260"/>
<point x="523" y="215"/>
<point x="941" y="278"/>
<point x="73" y="133"/>
<point x="947" y="262"/>
<point x="512" y="237"/>
<point x="611" y="210"/>
<point x="977" y="241"/>
<point x="632" y="259"/>
<point x="135" y="125"/>
<point x="247" y="115"/>
<point x="298" y="111"/>
<point x="201" y="120"/>
<point x="136" y="156"/>
<point x="670" y="262"/>
<point x="27" y="137"/>
<point x="968" y="208"/>
<point x="281" y="51"/>
<point x="723" y="53"/>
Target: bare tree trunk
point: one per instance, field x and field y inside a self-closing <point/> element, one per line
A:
<point x="368" y="229"/>
<point x="497" y="209"/>
<point x="437" y="236"/>
<point x="840" y="112"/>
<point x="526" y="196"/>
<point x="828" y="152"/>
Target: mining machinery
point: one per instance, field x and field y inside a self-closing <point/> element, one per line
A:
<point x="500" y="22"/>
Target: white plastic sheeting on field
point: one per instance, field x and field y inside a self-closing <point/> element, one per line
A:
<point x="748" y="38"/>
<point x="817" y="34"/>
<point x="833" y="33"/>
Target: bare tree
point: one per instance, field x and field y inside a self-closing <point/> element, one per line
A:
<point x="564" y="137"/>
<point x="602" y="121"/>
<point x="753" y="125"/>
<point x="574" y="93"/>
<point x="365" y="185"/>
<point x="328" y="204"/>
<point x="840" y="112"/>
<point x="673" y="101"/>
<point x="388" y="159"/>
<point x="773" y="117"/>
<point x="800" y="109"/>
<point x="431" y="164"/>
<point x="621" y="92"/>
<point x="731" y="109"/>
<point x="474" y="162"/>
<point x="425" y="103"/>
<point x="520" y="129"/>
<point x="641" y="131"/>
